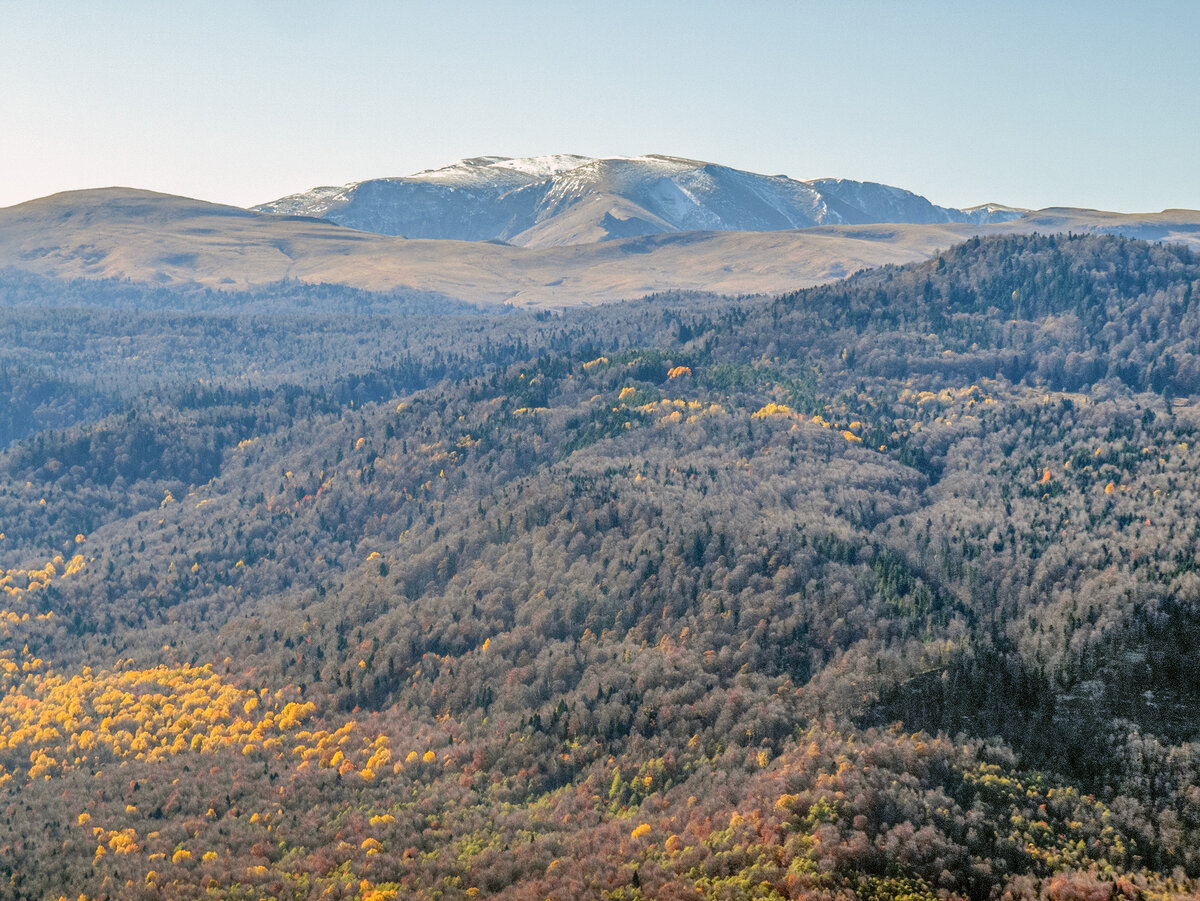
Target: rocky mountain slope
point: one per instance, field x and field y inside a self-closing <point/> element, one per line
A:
<point x="569" y="199"/>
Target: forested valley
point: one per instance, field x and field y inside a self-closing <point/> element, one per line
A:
<point x="885" y="589"/>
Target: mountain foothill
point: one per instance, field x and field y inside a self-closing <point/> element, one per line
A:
<point x="541" y="232"/>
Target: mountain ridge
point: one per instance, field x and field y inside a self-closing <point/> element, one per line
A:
<point x="522" y="200"/>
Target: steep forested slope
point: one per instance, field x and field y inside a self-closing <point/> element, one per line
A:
<point x="884" y="588"/>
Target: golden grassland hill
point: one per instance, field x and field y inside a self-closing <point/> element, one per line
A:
<point x="159" y="239"/>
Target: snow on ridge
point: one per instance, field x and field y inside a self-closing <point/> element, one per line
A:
<point x="544" y="166"/>
<point x="465" y="164"/>
<point x="307" y="203"/>
<point x="471" y="170"/>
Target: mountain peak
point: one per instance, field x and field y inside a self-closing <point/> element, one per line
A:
<point x="559" y="199"/>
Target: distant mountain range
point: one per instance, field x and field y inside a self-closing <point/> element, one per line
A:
<point x="569" y="199"/>
<point x="552" y="231"/>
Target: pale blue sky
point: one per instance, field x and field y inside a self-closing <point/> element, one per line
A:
<point x="1028" y="103"/>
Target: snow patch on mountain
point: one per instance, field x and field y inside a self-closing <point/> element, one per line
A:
<point x="308" y="203"/>
<point x="543" y="166"/>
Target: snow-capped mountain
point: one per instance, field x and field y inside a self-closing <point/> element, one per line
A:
<point x="568" y="199"/>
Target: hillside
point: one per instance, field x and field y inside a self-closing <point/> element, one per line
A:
<point x="883" y="589"/>
<point x="164" y="241"/>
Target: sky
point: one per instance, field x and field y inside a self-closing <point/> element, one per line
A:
<point x="1033" y="104"/>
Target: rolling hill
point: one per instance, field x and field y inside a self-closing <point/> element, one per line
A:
<point x="160" y="239"/>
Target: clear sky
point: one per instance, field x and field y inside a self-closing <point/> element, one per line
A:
<point x="1086" y="103"/>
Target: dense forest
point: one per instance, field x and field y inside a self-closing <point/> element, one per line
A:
<point x="884" y="589"/>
